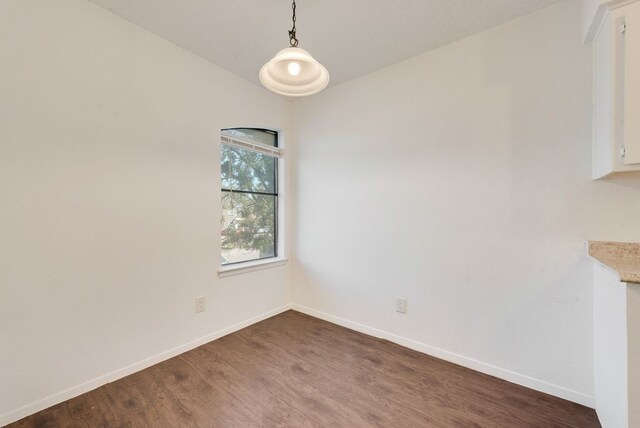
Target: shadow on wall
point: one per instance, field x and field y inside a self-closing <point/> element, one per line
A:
<point x="626" y="179"/>
<point x="608" y="221"/>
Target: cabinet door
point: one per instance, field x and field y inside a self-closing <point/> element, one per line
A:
<point x="632" y="84"/>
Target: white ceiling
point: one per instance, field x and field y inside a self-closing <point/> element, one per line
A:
<point x="350" y="37"/>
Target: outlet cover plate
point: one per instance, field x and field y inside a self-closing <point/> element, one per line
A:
<point x="201" y="304"/>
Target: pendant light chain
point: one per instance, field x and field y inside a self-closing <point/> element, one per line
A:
<point x="293" y="41"/>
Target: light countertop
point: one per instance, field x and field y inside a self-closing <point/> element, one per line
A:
<point x="623" y="258"/>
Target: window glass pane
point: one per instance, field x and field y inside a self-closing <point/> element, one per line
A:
<point x="253" y="136"/>
<point x="248" y="227"/>
<point x="247" y="170"/>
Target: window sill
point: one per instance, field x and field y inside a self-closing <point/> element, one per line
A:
<point x="251" y="266"/>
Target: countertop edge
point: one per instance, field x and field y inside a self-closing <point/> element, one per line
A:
<point x="617" y="263"/>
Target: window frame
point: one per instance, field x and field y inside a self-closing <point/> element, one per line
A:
<point x="272" y="151"/>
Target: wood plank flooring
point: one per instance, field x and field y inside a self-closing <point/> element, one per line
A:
<point x="293" y="370"/>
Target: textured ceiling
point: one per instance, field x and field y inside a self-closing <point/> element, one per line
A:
<point x="350" y="37"/>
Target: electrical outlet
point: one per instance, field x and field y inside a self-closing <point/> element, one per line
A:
<point x="200" y="304"/>
<point x="401" y="305"/>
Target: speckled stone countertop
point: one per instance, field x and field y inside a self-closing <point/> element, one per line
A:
<point x="623" y="258"/>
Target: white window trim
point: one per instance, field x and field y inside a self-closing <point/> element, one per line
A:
<point x="257" y="265"/>
<point x="252" y="266"/>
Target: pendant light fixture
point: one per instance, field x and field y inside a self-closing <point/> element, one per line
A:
<point x="293" y="72"/>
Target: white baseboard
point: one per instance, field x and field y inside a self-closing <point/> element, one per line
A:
<point x="508" y="375"/>
<point x="489" y="369"/>
<point x="92" y="384"/>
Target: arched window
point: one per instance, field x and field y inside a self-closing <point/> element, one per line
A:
<point x="249" y="168"/>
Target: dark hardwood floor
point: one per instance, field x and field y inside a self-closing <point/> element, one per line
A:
<point x="297" y="371"/>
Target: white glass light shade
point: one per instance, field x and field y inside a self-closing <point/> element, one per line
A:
<point x="294" y="73"/>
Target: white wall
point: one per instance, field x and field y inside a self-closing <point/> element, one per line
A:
<point x="109" y="181"/>
<point x="460" y="179"/>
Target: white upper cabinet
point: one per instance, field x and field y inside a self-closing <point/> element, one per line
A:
<point x="631" y="24"/>
<point x="615" y="34"/>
